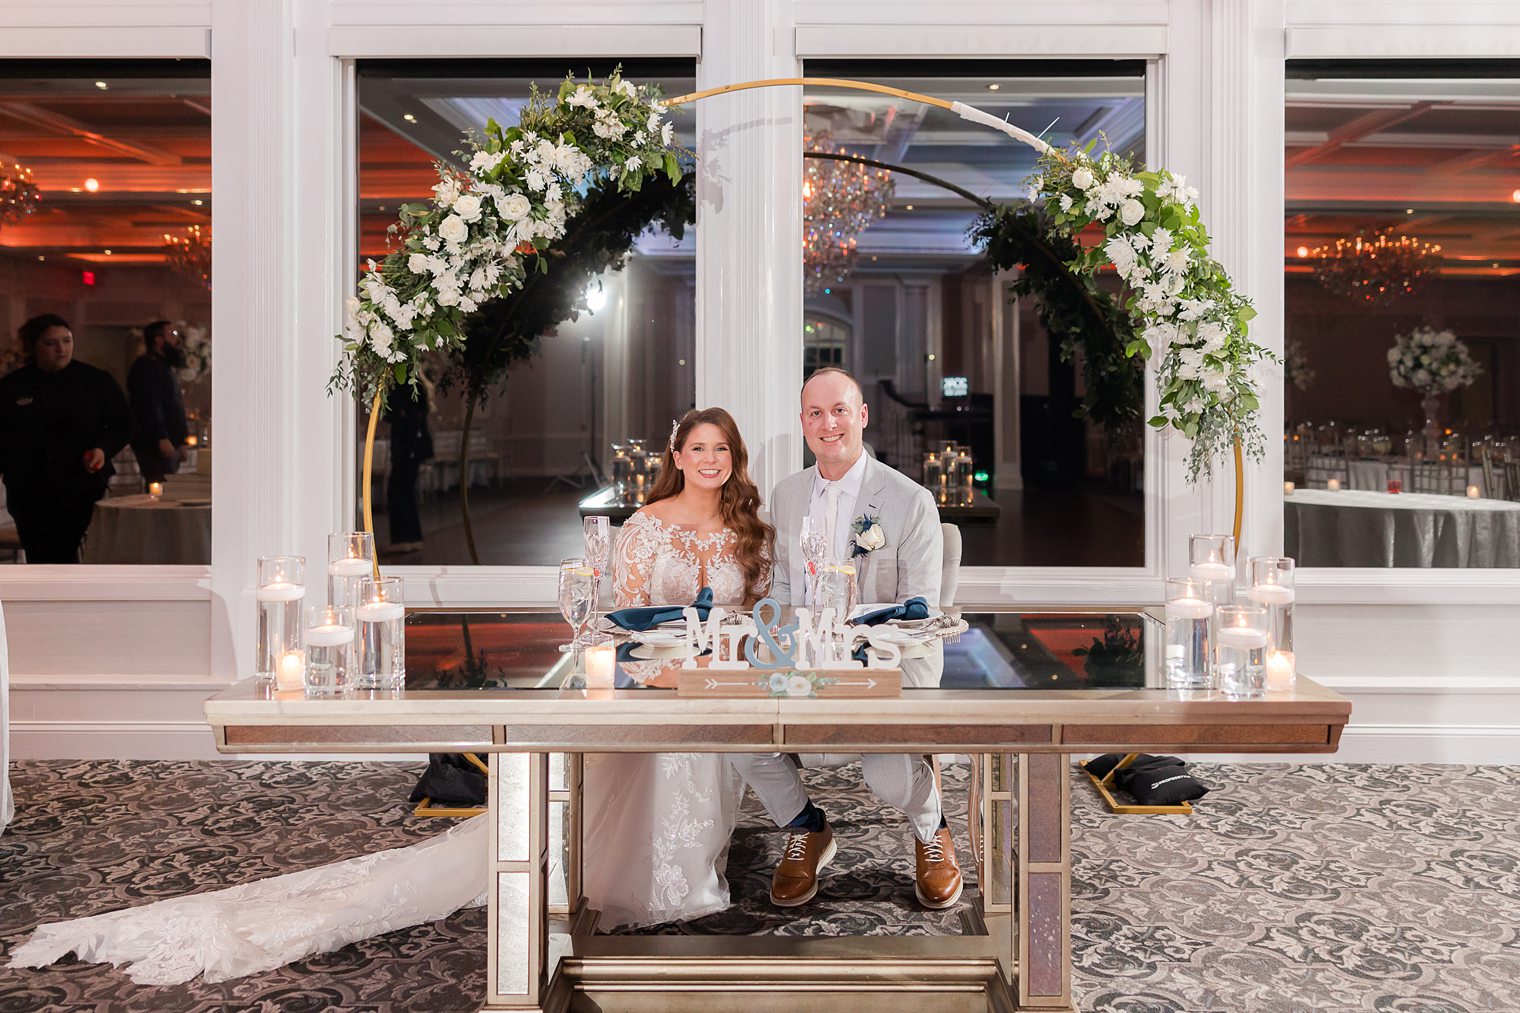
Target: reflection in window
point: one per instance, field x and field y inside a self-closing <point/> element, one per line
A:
<point x="915" y="303"/>
<point x="539" y="443"/>
<point x="105" y="273"/>
<point x="1402" y="386"/>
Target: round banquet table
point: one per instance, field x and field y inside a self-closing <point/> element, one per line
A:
<point x="1362" y="528"/>
<point x="140" y="529"/>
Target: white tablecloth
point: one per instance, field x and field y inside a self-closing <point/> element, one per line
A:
<point x="138" y="529"/>
<point x="1363" y="528"/>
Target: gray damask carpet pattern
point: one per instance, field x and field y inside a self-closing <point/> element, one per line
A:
<point x="1293" y="888"/>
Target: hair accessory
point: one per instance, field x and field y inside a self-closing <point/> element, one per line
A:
<point x="674" y="425"/>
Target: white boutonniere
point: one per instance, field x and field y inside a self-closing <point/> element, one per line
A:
<point x="868" y="536"/>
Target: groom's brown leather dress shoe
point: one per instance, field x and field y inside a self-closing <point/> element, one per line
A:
<point x="938" y="880"/>
<point x="796" y="878"/>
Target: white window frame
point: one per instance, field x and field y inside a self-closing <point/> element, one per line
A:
<point x="1340" y="29"/>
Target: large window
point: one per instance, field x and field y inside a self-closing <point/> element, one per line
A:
<point x="1402" y="326"/>
<point x="539" y="444"/>
<point x="105" y="251"/>
<point x="897" y="293"/>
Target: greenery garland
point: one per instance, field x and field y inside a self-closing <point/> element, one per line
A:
<point x="486" y="228"/>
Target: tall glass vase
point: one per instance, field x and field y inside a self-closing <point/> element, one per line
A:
<point x="1431" y="405"/>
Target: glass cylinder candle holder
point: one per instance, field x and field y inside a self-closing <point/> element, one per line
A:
<point x="380" y="653"/>
<point x="1212" y="558"/>
<point x="964" y="489"/>
<point x="350" y="557"/>
<point x="279" y="592"/>
<point x="1189" y="611"/>
<point x="329" y="632"/>
<point x="934" y="473"/>
<point x="1272" y="588"/>
<point x="1241" y="639"/>
<point x="621" y="469"/>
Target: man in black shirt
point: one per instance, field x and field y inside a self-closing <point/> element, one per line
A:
<point x="61" y="422"/>
<point x="157" y="404"/>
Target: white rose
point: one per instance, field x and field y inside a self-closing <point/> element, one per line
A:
<point x="453" y="230"/>
<point x="1082" y="178"/>
<point x="417" y="263"/>
<point x="514" y="207"/>
<point x="798" y="685"/>
<point x="1131" y="211"/>
<point x="468" y="207"/>
<point x="871" y="539"/>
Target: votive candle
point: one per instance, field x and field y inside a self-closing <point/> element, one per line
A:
<point x="1334" y="485"/>
<point x="600" y="660"/>
<point x="1473" y="492"/>
<point x="291" y="673"/>
<point x="155" y="489"/>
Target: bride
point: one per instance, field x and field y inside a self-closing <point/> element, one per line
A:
<point x="658" y="825"/>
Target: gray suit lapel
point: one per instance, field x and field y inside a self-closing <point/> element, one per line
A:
<point x="873" y="496"/>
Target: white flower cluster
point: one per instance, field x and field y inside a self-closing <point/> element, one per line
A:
<point x="470" y="244"/>
<point x="1178" y="298"/>
<point x="1431" y="361"/>
<point x="195" y="343"/>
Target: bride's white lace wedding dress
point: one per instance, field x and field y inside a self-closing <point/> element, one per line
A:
<point x="657" y="840"/>
<point x="658" y="825"/>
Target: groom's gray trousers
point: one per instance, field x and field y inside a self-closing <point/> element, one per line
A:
<point x="904" y="781"/>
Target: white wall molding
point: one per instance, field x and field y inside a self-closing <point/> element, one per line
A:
<point x="512" y="40"/>
<point x="1044" y="41"/>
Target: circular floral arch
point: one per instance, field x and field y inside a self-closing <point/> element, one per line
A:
<point x="488" y="226"/>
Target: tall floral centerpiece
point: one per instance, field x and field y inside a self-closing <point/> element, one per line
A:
<point x="1434" y="363"/>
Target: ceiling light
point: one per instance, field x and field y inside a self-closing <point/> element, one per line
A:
<point x="92" y="184"/>
<point x="596" y="298"/>
<point x="18" y="194"/>
<point x="75" y="189"/>
<point x="189" y="255"/>
<point x="197" y="202"/>
<point x="1515" y="196"/>
<point x="1409" y="211"/>
<point x="41" y="257"/>
<point x="993" y="87"/>
<point x="840" y="200"/>
<point x="908" y="207"/>
<point x="1375" y="267"/>
<point x="107" y="252"/>
<point x="409" y="118"/>
<point x="101" y="85"/>
<point x="1303" y="251"/>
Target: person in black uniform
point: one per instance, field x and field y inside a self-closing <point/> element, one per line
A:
<point x="61" y="422"/>
<point x="157" y="404"/>
<point x="411" y="444"/>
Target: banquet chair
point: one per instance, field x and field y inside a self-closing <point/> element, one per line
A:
<point x="1326" y="463"/>
<point x="950" y="575"/>
<point x="1511" y="478"/>
<point x="1491" y="459"/>
<point x="1444" y="477"/>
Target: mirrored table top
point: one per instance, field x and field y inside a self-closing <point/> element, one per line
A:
<point x="497" y="650"/>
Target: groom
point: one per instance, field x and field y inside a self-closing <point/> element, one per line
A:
<point x="846" y="486"/>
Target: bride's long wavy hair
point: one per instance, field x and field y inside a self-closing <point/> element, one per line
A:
<point x="739" y="501"/>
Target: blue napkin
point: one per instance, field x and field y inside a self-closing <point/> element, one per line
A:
<point x="647" y="617"/>
<point x="911" y="610"/>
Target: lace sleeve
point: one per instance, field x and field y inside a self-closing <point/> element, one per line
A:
<point x="633" y="562"/>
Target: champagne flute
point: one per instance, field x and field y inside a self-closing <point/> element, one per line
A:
<point x="577" y="583"/>
<point x="814" y="545"/>
<point x="597" y="534"/>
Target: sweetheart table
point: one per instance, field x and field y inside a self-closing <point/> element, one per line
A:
<point x="1022" y="689"/>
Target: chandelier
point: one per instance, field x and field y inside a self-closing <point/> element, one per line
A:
<point x="19" y="196"/>
<point x="839" y="201"/>
<point x="190" y="255"/>
<point x="1376" y="268"/>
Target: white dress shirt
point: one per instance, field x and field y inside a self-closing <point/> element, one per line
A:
<point x="844" y="512"/>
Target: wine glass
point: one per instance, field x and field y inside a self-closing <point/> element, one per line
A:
<point x="577" y="589"/>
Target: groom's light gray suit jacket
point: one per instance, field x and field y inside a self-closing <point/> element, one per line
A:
<point x="910" y="563"/>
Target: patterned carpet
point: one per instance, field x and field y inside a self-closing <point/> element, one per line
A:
<point x="1293" y="888"/>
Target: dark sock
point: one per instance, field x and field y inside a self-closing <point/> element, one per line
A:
<point x="942" y="824"/>
<point x="810" y="819"/>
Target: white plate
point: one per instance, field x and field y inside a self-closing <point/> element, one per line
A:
<point x="659" y="637"/>
<point x="654" y="652"/>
